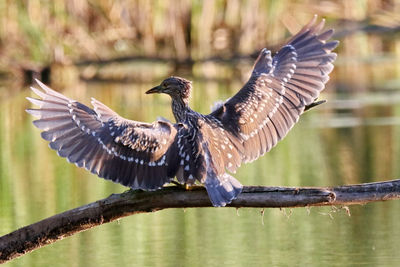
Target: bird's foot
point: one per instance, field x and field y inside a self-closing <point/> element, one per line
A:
<point x="177" y="184"/>
<point x="186" y="186"/>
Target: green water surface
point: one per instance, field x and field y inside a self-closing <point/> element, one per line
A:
<point x="35" y="183"/>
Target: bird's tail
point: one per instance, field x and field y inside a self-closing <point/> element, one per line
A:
<point x="222" y="189"/>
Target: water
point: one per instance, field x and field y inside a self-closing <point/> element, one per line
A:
<point x="323" y="149"/>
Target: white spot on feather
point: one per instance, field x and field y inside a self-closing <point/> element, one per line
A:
<point x="162" y="161"/>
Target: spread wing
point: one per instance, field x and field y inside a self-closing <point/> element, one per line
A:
<point x="135" y="154"/>
<point x="270" y="103"/>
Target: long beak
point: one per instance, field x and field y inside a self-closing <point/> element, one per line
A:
<point x="157" y="89"/>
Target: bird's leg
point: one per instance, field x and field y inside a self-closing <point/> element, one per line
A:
<point x="186" y="186"/>
<point x="191" y="187"/>
<point x="183" y="186"/>
<point x="178" y="184"/>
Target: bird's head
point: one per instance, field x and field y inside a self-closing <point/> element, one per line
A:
<point x="173" y="86"/>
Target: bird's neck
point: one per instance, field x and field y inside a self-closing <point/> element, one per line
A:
<point x="180" y="108"/>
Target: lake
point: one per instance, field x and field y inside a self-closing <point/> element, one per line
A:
<point x="353" y="138"/>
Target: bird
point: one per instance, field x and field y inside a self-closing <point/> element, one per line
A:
<point x="197" y="148"/>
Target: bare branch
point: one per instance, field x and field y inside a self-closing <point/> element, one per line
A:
<point x="132" y="202"/>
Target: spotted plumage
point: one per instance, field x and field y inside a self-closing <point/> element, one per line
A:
<point x="197" y="148"/>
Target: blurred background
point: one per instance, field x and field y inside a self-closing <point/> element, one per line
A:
<point x="116" y="50"/>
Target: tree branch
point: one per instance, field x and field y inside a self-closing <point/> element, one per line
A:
<point x="132" y="202"/>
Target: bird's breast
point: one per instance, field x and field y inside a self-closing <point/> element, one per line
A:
<point x="190" y="152"/>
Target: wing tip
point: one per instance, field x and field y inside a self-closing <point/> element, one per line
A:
<point x="35" y="101"/>
<point x="42" y="85"/>
<point x="33" y="112"/>
<point x="312" y="21"/>
<point x="331" y="45"/>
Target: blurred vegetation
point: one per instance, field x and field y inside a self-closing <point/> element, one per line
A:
<point x="38" y="37"/>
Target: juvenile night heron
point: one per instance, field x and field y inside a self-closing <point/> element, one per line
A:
<point x="197" y="147"/>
